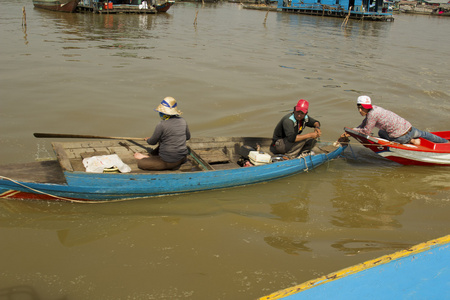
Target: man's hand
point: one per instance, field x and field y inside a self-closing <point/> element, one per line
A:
<point x="314" y="135"/>
<point x="317" y="131"/>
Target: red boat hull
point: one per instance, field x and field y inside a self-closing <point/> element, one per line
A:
<point x="164" y="7"/>
<point x="13" y="194"/>
<point x="427" y="154"/>
<point x="57" y="5"/>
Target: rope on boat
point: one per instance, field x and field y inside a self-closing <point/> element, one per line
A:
<point x="310" y="158"/>
<point x="306" y="164"/>
<point x="58" y="197"/>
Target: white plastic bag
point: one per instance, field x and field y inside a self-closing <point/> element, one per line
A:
<point x="96" y="164"/>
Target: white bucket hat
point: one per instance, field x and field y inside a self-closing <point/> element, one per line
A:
<point x="168" y="107"/>
<point x="365" y="102"/>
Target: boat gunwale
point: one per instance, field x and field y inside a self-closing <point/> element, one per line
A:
<point x="360" y="268"/>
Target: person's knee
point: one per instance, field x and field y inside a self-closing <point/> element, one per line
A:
<point x="150" y="164"/>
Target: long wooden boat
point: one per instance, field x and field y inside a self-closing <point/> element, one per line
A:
<point x="420" y="272"/>
<point x="164" y="7"/>
<point x="212" y="164"/>
<point x="57" y="5"/>
<point x="427" y="154"/>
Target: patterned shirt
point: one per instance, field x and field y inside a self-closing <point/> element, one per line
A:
<point x="386" y="120"/>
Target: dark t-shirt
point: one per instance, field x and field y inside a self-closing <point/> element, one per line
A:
<point x="288" y="128"/>
<point x="172" y="135"/>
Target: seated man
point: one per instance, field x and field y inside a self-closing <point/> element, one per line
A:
<point x="287" y="136"/>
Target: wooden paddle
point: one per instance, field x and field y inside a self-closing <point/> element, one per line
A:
<point x="82" y="136"/>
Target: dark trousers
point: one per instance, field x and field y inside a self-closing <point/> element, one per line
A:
<point x="279" y="147"/>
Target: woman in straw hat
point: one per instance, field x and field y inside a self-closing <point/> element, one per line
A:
<point x="171" y="134"/>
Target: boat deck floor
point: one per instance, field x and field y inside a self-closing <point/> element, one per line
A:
<point x="205" y="157"/>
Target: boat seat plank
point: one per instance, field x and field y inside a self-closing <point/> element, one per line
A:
<point x="213" y="156"/>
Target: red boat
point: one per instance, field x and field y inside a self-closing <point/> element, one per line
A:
<point x="57" y="5"/>
<point x="427" y="154"/>
<point x="164" y="7"/>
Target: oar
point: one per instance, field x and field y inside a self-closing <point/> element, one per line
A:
<point x="82" y="136"/>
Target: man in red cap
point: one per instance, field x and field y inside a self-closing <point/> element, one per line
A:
<point x="287" y="136"/>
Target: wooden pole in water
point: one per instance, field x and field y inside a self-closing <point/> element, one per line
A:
<point x="24" y="17"/>
<point x="267" y="13"/>
<point x="195" y="20"/>
<point x="344" y="23"/>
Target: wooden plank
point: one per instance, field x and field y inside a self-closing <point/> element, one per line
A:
<point x="213" y="156"/>
<point x="121" y="152"/>
<point x="77" y="165"/>
<point x="226" y="166"/>
<point x="62" y="156"/>
<point x="41" y="172"/>
<point x="202" y="164"/>
<point x="90" y="154"/>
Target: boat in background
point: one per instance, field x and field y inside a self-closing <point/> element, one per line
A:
<point x="213" y="163"/>
<point x="57" y="5"/>
<point x="420" y="272"/>
<point x="164" y="7"/>
<point x="376" y="10"/>
<point x="427" y="154"/>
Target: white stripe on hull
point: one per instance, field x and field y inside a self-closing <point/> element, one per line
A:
<point x="427" y="157"/>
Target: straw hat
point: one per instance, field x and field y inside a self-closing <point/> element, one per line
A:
<point x="168" y="107"/>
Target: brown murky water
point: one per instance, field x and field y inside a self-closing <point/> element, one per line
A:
<point x="232" y="75"/>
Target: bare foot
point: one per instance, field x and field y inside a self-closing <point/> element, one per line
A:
<point x="138" y="155"/>
<point x="415" y="142"/>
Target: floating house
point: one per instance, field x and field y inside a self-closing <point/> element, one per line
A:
<point x="376" y="10"/>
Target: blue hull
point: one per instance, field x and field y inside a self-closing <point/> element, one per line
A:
<point x="106" y="187"/>
<point x="421" y="272"/>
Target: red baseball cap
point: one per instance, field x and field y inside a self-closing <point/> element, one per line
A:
<point x="302" y="105"/>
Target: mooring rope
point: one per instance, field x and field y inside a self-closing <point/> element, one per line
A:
<point x="306" y="163"/>
<point x="351" y="149"/>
